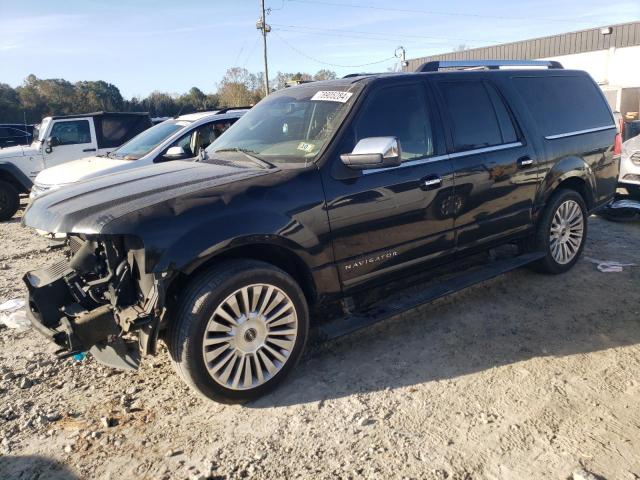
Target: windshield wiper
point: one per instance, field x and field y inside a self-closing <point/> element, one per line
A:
<point x="249" y="153"/>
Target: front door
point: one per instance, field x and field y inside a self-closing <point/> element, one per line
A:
<point x="74" y="139"/>
<point x="386" y="219"/>
<point x="495" y="168"/>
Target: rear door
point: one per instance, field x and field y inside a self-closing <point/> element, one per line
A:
<point x="386" y="219"/>
<point x="75" y="138"/>
<point x="495" y="167"/>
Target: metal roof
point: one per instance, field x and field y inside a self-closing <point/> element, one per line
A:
<point x="622" y="35"/>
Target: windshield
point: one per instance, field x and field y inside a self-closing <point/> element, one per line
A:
<point x="146" y="141"/>
<point x="290" y="126"/>
<point x="42" y="129"/>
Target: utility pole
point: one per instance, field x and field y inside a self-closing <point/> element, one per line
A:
<point x="262" y="25"/>
<point x="401" y="53"/>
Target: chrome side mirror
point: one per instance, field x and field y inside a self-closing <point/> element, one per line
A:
<point x="175" y="153"/>
<point x="374" y="152"/>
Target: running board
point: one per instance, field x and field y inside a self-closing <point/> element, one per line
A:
<point x="399" y="303"/>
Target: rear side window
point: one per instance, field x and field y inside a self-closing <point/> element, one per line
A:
<point x="401" y="112"/>
<point x="114" y="131"/>
<point x="563" y="105"/>
<point x="479" y="117"/>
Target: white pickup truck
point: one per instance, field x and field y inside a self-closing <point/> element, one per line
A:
<point x="61" y="139"/>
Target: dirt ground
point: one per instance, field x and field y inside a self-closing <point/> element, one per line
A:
<point x="524" y="377"/>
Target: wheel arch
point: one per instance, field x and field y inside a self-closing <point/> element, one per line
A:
<point x="273" y="253"/>
<point x="571" y="173"/>
<point x="11" y="174"/>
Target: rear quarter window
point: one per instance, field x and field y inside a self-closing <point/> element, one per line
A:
<point x="564" y="104"/>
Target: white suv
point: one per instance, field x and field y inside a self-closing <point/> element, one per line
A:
<point x="630" y="166"/>
<point x="178" y="138"/>
<point x="62" y="139"/>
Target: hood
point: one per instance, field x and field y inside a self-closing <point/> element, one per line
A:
<point x="630" y="147"/>
<point x="18" y="151"/>
<point x="93" y="206"/>
<point x="71" y="172"/>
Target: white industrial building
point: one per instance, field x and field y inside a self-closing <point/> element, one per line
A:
<point x="611" y="54"/>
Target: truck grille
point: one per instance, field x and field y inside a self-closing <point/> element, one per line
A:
<point x="74" y="244"/>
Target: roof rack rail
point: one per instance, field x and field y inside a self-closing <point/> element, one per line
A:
<point x="226" y="109"/>
<point x="490" y="64"/>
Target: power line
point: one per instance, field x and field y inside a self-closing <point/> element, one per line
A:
<point x="385" y="35"/>
<point x="344" y="35"/>
<point x="250" y="54"/>
<point x="300" y="52"/>
<point x="431" y="12"/>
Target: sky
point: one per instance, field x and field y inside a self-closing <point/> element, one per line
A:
<point x="171" y="46"/>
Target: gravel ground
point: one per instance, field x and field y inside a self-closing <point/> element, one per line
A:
<point x="524" y="377"/>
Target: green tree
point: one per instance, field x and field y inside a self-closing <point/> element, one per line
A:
<point x="239" y="87"/>
<point x="10" y="107"/>
<point x="97" y="95"/>
<point x="325" y="75"/>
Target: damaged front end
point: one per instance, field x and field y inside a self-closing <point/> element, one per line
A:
<point x="99" y="300"/>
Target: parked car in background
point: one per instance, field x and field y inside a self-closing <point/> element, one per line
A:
<point x="12" y="134"/>
<point x="62" y="139"/>
<point x="319" y="193"/>
<point x="630" y="166"/>
<point x="179" y="138"/>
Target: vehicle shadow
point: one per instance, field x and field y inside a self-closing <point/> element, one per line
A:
<point x="42" y="468"/>
<point x="513" y="318"/>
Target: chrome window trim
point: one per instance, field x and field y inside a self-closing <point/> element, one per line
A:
<point x="411" y="163"/>
<point x="579" y="132"/>
<point x="495" y="148"/>
<point x="408" y="163"/>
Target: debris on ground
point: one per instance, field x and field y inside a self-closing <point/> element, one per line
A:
<point x="12" y="314"/>
<point x="609" y="266"/>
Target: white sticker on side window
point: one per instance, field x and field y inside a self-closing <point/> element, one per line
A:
<point x="332" y="96"/>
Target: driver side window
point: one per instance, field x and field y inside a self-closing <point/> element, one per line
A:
<point x="199" y="139"/>
<point x="399" y="111"/>
<point x="72" y="133"/>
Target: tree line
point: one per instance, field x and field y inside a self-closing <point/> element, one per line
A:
<point x="37" y="98"/>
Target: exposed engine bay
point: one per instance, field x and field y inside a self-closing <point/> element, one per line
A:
<point x="98" y="300"/>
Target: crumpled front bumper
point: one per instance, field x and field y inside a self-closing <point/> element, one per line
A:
<point x="54" y="309"/>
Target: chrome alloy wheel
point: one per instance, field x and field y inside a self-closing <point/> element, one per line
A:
<point x="250" y="336"/>
<point x="567" y="231"/>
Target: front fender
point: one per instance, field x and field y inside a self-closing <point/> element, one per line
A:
<point x="10" y="170"/>
<point x="194" y="247"/>
<point x="568" y="167"/>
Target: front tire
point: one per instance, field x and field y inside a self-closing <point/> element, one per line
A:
<point x="240" y="328"/>
<point x="9" y="201"/>
<point x="561" y="232"/>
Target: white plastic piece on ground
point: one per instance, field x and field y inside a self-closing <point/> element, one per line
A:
<point x="11" y="305"/>
<point x="609" y="266"/>
<point x="12" y="314"/>
<point x="17" y="319"/>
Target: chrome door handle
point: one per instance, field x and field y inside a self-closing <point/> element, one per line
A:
<point x="431" y="182"/>
<point x="524" y="162"/>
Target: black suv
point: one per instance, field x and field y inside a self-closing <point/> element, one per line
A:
<point x="318" y="194"/>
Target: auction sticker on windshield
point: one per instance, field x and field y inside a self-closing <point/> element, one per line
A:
<point x="332" y="96"/>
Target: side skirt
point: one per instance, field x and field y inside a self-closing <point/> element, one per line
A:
<point x="400" y="302"/>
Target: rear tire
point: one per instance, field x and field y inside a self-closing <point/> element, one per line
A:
<point x="9" y="200"/>
<point x="240" y="328"/>
<point x="561" y="232"/>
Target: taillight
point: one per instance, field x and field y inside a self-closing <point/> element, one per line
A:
<point x="617" y="145"/>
